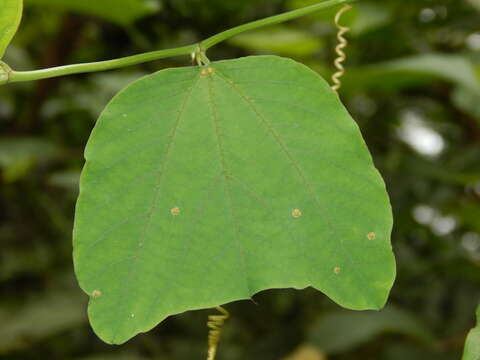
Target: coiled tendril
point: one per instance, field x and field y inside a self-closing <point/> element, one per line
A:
<point x="215" y="323"/>
<point x="342" y="44"/>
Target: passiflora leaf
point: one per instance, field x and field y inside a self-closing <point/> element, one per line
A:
<point x="472" y="344"/>
<point x="10" y="16"/>
<point x="205" y="185"/>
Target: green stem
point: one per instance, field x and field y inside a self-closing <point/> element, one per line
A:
<point x="16" y="76"/>
<point x="7" y="75"/>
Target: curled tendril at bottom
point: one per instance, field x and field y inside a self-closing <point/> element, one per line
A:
<point x="342" y="44"/>
<point x="215" y="323"/>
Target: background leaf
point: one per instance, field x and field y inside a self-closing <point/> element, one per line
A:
<point x="40" y="318"/>
<point x="475" y="4"/>
<point x="345" y="330"/>
<point x="118" y="11"/>
<point x="279" y="40"/>
<point x="277" y="163"/>
<point x="19" y="155"/>
<point x="10" y="16"/>
<point x="306" y="352"/>
<point x="364" y="17"/>
<point x="414" y="71"/>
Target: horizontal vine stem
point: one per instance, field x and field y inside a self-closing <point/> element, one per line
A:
<point x="17" y="76"/>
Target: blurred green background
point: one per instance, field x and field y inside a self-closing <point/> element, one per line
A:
<point x="413" y="85"/>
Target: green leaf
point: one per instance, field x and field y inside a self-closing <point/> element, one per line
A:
<point x="305" y="352"/>
<point x="38" y="319"/>
<point x="364" y="17"/>
<point x="334" y="332"/>
<point x="206" y="186"/>
<point x="10" y="16"/>
<point x="475" y="4"/>
<point x="413" y="71"/>
<point x="65" y="179"/>
<point x="467" y="101"/>
<point x="472" y="344"/>
<point x="279" y="40"/>
<point x="19" y="155"/>
<point x="122" y="12"/>
<point x="370" y="17"/>
<point x="402" y="351"/>
<point x="469" y="212"/>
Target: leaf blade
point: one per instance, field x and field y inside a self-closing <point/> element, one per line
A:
<point x="223" y="175"/>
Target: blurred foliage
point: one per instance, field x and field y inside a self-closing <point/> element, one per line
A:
<point x="414" y="71"/>
<point x="279" y="40"/>
<point x="412" y="84"/>
<point x="35" y="320"/>
<point x="122" y="12"/>
<point x="333" y="333"/>
<point x="19" y="154"/>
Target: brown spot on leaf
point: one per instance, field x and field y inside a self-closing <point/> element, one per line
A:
<point x="296" y="213"/>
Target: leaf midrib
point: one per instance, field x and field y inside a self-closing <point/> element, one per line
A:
<point x="225" y="172"/>
<point x="297" y="167"/>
